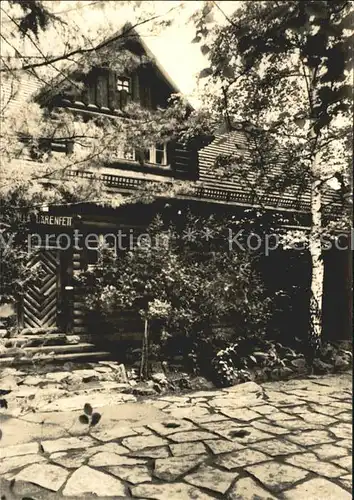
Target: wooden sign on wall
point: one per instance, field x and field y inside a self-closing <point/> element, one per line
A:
<point x="48" y="220"/>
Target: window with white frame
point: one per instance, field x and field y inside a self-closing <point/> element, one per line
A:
<point x="156" y="154"/>
<point x="123" y="86"/>
<point x="123" y="83"/>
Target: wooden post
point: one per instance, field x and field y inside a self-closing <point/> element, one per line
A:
<point x="144" y="351"/>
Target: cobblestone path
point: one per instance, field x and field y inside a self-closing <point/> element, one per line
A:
<point x="287" y="440"/>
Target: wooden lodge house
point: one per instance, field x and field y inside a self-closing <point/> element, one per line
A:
<point x="56" y="303"/>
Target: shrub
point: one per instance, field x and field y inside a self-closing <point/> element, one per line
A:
<point x="254" y="358"/>
<point x="181" y="290"/>
<point x="251" y="357"/>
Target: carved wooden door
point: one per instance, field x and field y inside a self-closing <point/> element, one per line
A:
<point x="41" y="297"/>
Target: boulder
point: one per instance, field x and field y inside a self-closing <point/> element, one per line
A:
<point x="299" y="365"/>
<point x="156" y="367"/>
<point x="58" y="377"/>
<point x="201" y="384"/>
<point x="73" y="339"/>
<point x="8" y="383"/>
<point x="342" y="362"/>
<point x="48" y="395"/>
<point x="103" y="369"/>
<point x="143" y="390"/>
<point x="159" y="378"/>
<point x="10" y="371"/>
<point x="3" y="333"/>
<point x="286" y="372"/>
<point x="3" y="349"/>
<point x="26" y="392"/>
<point x="73" y="380"/>
<point x="158" y="388"/>
<point x="281" y="373"/>
<point x="260" y="376"/>
<point x="345" y="354"/>
<point x="87" y="375"/>
<point x="132" y="375"/>
<point x="275" y="374"/>
<point x="68" y="366"/>
<point x="33" y="380"/>
<point x="243" y="395"/>
<point x="321" y="368"/>
<point x="120" y="374"/>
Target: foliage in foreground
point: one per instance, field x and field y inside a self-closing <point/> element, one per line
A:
<point x="261" y="360"/>
<point x="282" y="71"/>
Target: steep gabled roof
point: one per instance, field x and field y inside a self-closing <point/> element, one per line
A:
<point x="249" y="189"/>
<point x="129" y="31"/>
<point x="30" y="87"/>
<point x="128" y="27"/>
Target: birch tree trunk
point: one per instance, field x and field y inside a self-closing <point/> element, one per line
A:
<point x="317" y="264"/>
<point x="315" y="248"/>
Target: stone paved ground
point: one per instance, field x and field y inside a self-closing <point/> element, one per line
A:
<point x="287" y="440"/>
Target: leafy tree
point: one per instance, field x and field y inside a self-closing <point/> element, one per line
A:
<point x="29" y="57"/>
<point x="49" y="47"/>
<point x="282" y="73"/>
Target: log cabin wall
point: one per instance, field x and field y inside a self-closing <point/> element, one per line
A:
<point x="78" y="323"/>
<point x="281" y="270"/>
<point x="338" y="294"/>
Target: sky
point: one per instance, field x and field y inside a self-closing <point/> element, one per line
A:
<point x="173" y="48"/>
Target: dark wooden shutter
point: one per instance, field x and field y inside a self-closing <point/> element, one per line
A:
<point x="170" y="147"/>
<point x="124" y="98"/>
<point x="140" y="156"/>
<point x="89" y="94"/>
<point x="135" y="88"/>
<point x="145" y="97"/>
<point x="102" y="89"/>
<point x="112" y="91"/>
<point x="183" y="159"/>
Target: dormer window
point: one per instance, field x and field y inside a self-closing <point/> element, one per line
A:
<point x="123" y="86"/>
<point x="106" y="91"/>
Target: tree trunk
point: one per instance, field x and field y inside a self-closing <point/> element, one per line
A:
<point x="317" y="264"/>
<point x="145" y="352"/>
<point x="315" y="248"/>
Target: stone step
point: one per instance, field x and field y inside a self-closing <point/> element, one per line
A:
<point x="40" y="331"/>
<point x="65" y="349"/>
<point x="50" y="339"/>
<point x="59" y="358"/>
<point x="33" y="339"/>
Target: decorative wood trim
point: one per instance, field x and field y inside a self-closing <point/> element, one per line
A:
<point x="39" y="305"/>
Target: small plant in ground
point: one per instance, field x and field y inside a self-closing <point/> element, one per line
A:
<point x="243" y="360"/>
<point x="89" y="417"/>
